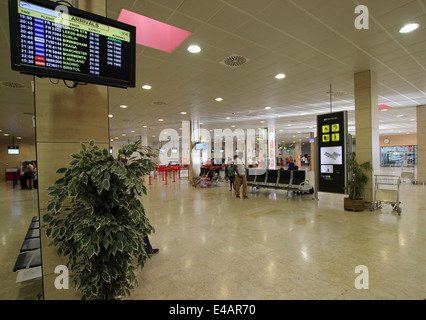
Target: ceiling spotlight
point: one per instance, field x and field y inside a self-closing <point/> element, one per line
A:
<point x="194" y="48"/>
<point x="183" y="112"/>
<point x="123" y="106"/>
<point x="280" y="76"/>
<point x="161" y="120"/>
<point x="267" y="108"/>
<point x="110" y="116"/>
<point x="146" y="87"/>
<point x="409" y="28"/>
<point x="219" y="99"/>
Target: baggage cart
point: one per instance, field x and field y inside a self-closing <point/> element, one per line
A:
<point x="407" y="173"/>
<point x="386" y="190"/>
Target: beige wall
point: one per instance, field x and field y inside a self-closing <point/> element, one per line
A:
<point x="27" y="153"/>
<point x="421" y="145"/>
<point x="399" y="140"/>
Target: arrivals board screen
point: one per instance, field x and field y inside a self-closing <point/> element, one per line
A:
<point x="60" y="42"/>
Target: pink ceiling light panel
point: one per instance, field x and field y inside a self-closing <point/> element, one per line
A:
<point x="383" y="106"/>
<point x="153" y="33"/>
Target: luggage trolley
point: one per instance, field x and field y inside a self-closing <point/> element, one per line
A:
<point x="386" y="190"/>
<point x="407" y="172"/>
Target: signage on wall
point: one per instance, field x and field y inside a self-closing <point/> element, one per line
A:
<point x="332" y="133"/>
<point x="271" y="142"/>
<point x="14" y="150"/>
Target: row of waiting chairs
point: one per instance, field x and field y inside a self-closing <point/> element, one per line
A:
<point x="28" y="263"/>
<point x="292" y="180"/>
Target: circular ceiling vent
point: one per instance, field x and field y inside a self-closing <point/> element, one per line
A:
<point x="235" y="61"/>
<point x="13" y="85"/>
<point x="159" y="103"/>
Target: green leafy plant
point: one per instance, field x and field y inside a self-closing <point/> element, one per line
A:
<point x="358" y="179"/>
<point x="95" y="218"/>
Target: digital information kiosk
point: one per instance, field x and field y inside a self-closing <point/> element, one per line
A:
<point x="332" y="133"/>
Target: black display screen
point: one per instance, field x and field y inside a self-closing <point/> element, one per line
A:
<point x="71" y="44"/>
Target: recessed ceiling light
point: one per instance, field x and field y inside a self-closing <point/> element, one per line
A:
<point x="110" y="116"/>
<point x="133" y="131"/>
<point x="409" y="28"/>
<point x="219" y="99"/>
<point x="123" y="135"/>
<point x="144" y="126"/>
<point x="280" y="76"/>
<point x="194" y="48"/>
<point x="19" y="138"/>
<point x="400" y="115"/>
<point x="183" y="112"/>
<point x="146" y="87"/>
<point x="6" y="134"/>
<point x="262" y="121"/>
<point x="161" y="120"/>
<point x="384" y="110"/>
<point x="267" y="108"/>
<point x="227" y="118"/>
<point x="123" y="106"/>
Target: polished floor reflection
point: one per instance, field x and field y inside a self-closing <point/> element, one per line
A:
<point x="270" y="246"/>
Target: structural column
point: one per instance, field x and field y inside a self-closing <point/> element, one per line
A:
<point x="367" y="125"/>
<point x="421" y="144"/>
<point x="65" y="118"/>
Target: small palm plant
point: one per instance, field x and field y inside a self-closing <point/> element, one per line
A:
<point x="358" y="179"/>
<point x="95" y="218"/>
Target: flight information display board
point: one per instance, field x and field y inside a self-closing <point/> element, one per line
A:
<point x="74" y="45"/>
<point x="332" y="133"/>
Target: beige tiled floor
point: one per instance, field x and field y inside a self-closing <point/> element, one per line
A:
<point x="270" y="246"/>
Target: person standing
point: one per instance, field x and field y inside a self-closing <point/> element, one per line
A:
<point x="231" y="176"/>
<point x="240" y="177"/>
<point x="29" y="174"/>
<point x="291" y="164"/>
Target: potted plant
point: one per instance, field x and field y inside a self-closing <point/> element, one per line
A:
<point x="356" y="184"/>
<point x="96" y="219"/>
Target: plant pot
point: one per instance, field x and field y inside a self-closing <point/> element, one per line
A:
<point x="353" y="204"/>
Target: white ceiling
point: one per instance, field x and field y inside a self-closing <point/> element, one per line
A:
<point x="314" y="42"/>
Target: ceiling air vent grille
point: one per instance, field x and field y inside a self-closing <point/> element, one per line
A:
<point x="11" y="84"/>
<point x="337" y="93"/>
<point x="159" y="103"/>
<point x="234" y="61"/>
